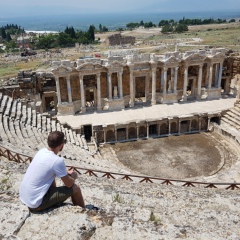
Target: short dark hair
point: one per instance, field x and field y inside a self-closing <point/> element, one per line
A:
<point x="55" y="139"/>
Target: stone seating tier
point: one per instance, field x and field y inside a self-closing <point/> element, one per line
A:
<point x="25" y="131"/>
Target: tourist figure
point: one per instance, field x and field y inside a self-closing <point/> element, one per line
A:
<point x="38" y="189"/>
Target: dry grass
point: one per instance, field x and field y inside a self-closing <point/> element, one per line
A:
<point x="10" y="70"/>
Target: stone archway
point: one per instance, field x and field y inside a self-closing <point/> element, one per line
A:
<point x="174" y="127"/>
<point x="132" y="133"/>
<point x="163" y="129"/>
<point x="110" y="136"/>
<point x="49" y="102"/>
<point x="142" y="132"/>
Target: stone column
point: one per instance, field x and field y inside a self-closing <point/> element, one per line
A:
<point x="179" y="127"/>
<point x="169" y="126"/>
<point x="216" y="75"/>
<point x="210" y="76"/>
<point x="209" y="119"/>
<point x="162" y="80"/>
<point x="175" y="80"/>
<point x="116" y="134"/>
<point x="110" y="86"/>
<point x="147" y="130"/>
<point x="158" y="128"/>
<point x="190" y="125"/>
<point x="154" y="69"/>
<point x="120" y="86"/>
<point x="172" y="80"/>
<point x="185" y="83"/>
<point x="69" y="89"/>
<point x="104" y="135"/>
<point x="58" y="90"/>
<point x="199" y="123"/>
<point x="82" y="90"/>
<point x="165" y="81"/>
<point x="147" y="87"/>
<point x="132" y="97"/>
<point x="137" y="131"/>
<point x="220" y="75"/>
<point x="99" y="103"/>
<point x="199" y="81"/>
<point x="127" y="132"/>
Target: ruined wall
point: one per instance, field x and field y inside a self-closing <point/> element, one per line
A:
<point x="118" y="39"/>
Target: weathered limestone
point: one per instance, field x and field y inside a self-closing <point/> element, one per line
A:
<point x="127" y="211"/>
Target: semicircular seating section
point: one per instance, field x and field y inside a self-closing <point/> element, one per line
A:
<point x="25" y="131"/>
<point x="230" y="122"/>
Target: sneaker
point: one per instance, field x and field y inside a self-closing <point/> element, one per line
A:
<point x="91" y="207"/>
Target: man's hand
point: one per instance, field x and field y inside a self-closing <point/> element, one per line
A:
<point x="74" y="175"/>
<point x="70" y="171"/>
<point x="70" y="178"/>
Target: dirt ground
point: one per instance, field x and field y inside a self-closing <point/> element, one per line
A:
<point x="177" y="157"/>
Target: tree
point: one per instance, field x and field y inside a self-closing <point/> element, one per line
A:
<point x="8" y="37"/>
<point x="11" y="44"/>
<point x="105" y="29"/>
<point x="181" y="28"/>
<point x="167" y="28"/>
<point x="132" y="25"/>
<point x="3" y="33"/>
<point x="149" y="25"/>
<point x="91" y="33"/>
<point x="141" y="23"/>
<point x="100" y="27"/>
<point x="163" y="23"/>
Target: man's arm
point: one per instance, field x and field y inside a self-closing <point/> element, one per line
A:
<point x="69" y="179"/>
<point x="54" y="183"/>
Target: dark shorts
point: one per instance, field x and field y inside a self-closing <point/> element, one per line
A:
<point x="54" y="196"/>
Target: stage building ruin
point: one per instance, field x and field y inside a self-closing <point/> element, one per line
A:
<point x="119" y="82"/>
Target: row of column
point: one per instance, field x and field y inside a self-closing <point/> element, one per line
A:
<point x="172" y="84"/>
<point x="158" y="129"/>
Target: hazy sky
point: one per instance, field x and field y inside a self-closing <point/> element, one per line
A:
<point x="16" y="8"/>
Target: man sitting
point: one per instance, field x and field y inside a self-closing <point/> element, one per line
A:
<point x="38" y="189"/>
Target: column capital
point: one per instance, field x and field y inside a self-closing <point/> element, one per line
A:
<point x="131" y="67"/>
<point x="98" y="74"/>
<point x="120" y="72"/>
<point x="154" y="66"/>
<point x="165" y="68"/>
<point x="81" y="75"/>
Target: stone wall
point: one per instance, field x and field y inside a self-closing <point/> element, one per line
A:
<point x="118" y="39"/>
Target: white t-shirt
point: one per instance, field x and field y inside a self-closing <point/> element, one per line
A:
<point x="43" y="169"/>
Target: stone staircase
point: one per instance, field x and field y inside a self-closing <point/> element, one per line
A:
<point x="230" y="123"/>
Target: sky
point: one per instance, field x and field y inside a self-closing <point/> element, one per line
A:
<point x="16" y="8"/>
